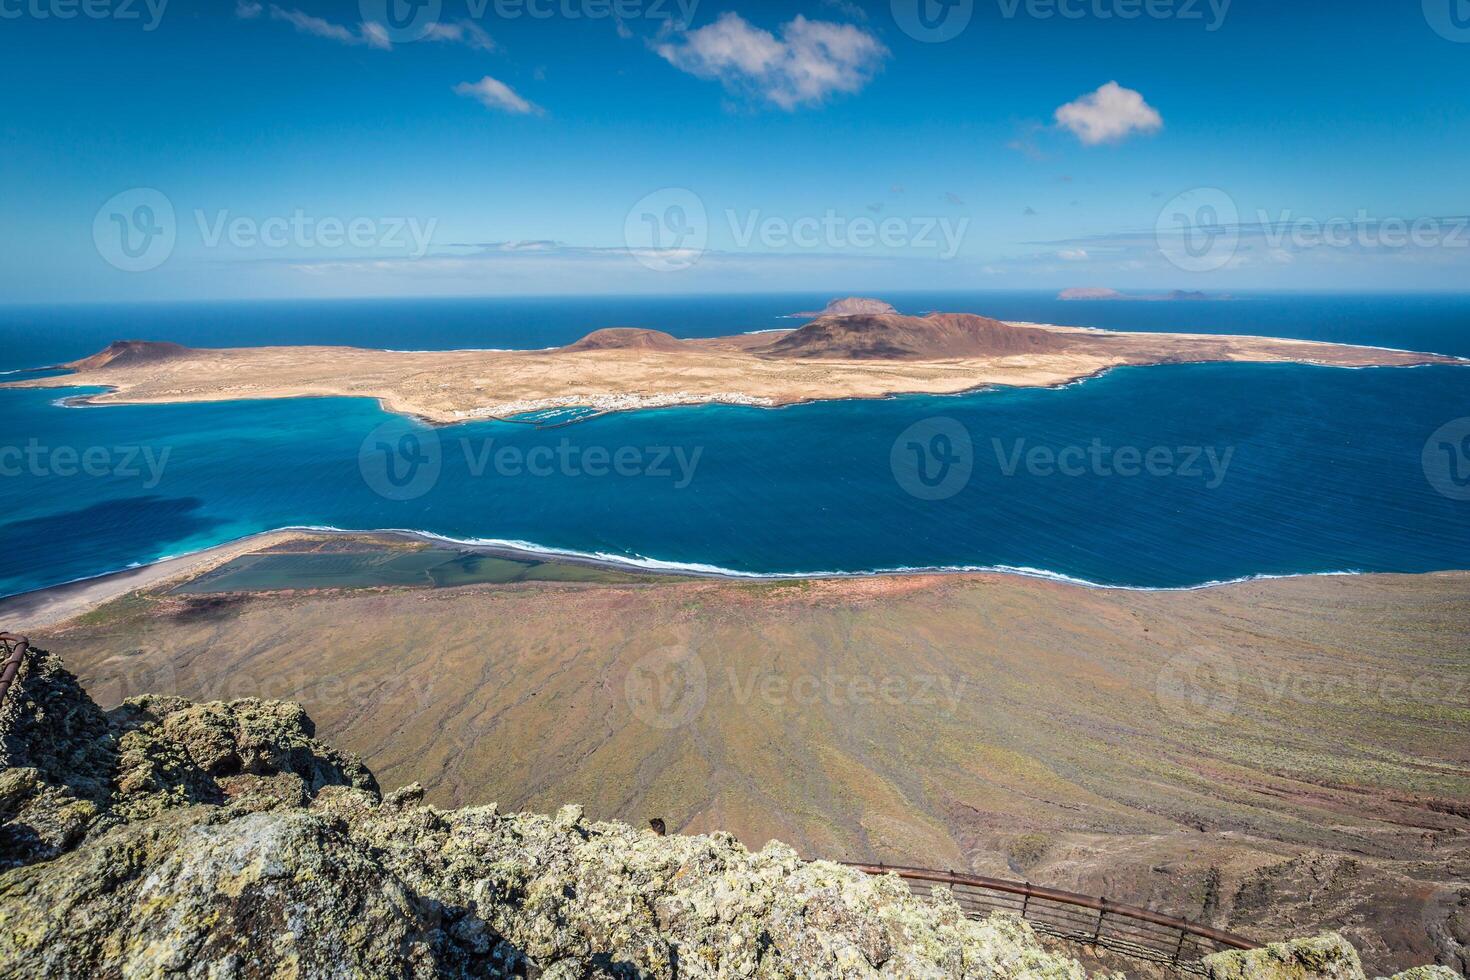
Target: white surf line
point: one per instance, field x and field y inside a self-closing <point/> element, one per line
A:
<point x="533" y="550"/>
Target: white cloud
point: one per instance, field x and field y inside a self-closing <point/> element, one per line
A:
<point x="368" y="33"/>
<point x="810" y="61"/>
<point x="372" y="35"/>
<point x="1108" y="115"/>
<point x="465" y="32"/>
<point x="495" y="94"/>
<point x="1073" y="254"/>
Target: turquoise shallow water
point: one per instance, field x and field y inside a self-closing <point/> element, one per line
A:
<point x="1155" y="477"/>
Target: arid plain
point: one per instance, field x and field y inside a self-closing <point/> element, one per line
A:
<point x="1272" y="757"/>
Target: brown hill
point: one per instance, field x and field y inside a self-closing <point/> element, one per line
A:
<point x="895" y="337"/>
<point x="851" y="306"/>
<point x="626" y="338"/>
<point x="130" y="353"/>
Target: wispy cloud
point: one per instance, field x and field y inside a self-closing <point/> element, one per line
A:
<point x="367" y="33"/>
<point x="810" y="61"/>
<point x="495" y="94"/>
<point x="371" y="35"/>
<point x="1109" y="115"/>
<point x="465" y="32"/>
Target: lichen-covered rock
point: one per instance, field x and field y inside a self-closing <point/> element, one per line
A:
<point x="223" y="841"/>
<point x="1325" y="957"/>
<point x="171" y="751"/>
<point x="71" y="771"/>
<point x="48" y="723"/>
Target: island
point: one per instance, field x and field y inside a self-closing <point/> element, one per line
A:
<point x="1099" y="293"/>
<point x="867" y="355"/>
<point x="848" y="306"/>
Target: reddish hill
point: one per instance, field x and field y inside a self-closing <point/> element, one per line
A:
<point x="130" y="353"/>
<point x="626" y="338"/>
<point x="894" y="337"/>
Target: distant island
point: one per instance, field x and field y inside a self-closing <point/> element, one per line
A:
<point x="847" y="355"/>
<point x="1101" y="293"/>
<point x="850" y="306"/>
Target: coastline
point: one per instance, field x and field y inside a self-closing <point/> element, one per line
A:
<point x="51" y="605"/>
<point x="601" y="406"/>
<point x="648" y="371"/>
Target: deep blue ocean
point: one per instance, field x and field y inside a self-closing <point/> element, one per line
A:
<point x="1171" y="476"/>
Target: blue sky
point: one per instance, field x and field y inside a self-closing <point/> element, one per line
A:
<point x="318" y="149"/>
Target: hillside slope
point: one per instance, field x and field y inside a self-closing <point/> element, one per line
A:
<point x="222" y="839"/>
<point x="909" y="338"/>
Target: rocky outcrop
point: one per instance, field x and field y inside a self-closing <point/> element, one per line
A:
<point x="223" y="840"/>
<point x="130" y="353"/>
<point x="1327" y="957"/>
<point x="626" y="338"/>
<point x="911" y="338"/>
<point x="850" y="306"/>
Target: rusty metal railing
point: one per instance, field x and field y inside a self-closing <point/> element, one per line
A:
<point x="1130" y="930"/>
<point x="14" y="649"/>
